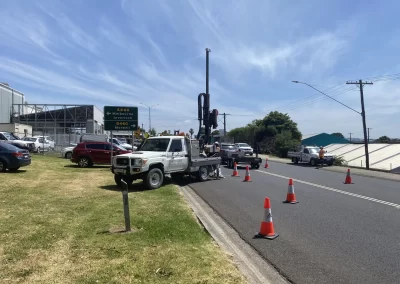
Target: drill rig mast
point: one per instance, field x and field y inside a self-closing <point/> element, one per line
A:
<point x="205" y="117"/>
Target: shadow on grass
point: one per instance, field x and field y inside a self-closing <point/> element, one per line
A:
<point x="92" y="167"/>
<point x="15" y="172"/>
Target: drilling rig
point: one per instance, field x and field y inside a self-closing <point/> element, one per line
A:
<point x="207" y="118"/>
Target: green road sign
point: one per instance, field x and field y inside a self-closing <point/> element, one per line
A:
<point x="120" y="118"/>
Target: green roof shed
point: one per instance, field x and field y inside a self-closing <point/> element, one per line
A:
<point x="323" y="139"/>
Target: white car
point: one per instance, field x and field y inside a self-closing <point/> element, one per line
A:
<point x="67" y="152"/>
<point x="123" y="145"/>
<point x="40" y="143"/>
<point x="245" y="148"/>
<point x="48" y="139"/>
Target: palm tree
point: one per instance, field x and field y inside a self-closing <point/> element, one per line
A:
<point x="191" y="131"/>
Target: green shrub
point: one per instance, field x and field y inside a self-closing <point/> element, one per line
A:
<point x="339" y="161"/>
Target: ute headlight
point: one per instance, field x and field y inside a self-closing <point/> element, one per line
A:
<point x="137" y="162"/>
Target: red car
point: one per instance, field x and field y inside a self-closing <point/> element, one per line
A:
<point x="86" y="154"/>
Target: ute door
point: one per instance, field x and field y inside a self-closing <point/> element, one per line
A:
<point x="305" y="155"/>
<point x="176" y="156"/>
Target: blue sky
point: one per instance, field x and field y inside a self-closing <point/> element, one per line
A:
<point x="130" y="52"/>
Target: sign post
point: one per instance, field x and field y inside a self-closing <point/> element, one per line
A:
<point x="125" y="200"/>
<point x="120" y="118"/>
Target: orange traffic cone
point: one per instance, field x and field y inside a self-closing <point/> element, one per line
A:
<point x="290" y="197"/>
<point x="235" y="171"/>
<point x="348" y="178"/>
<point x="247" y="177"/>
<point x="267" y="230"/>
<point x="266" y="163"/>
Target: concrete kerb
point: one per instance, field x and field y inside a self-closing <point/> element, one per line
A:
<point x="374" y="173"/>
<point x="254" y="268"/>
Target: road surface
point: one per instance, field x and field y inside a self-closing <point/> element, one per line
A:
<point x="338" y="233"/>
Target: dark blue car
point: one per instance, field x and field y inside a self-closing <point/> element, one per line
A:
<point x="12" y="158"/>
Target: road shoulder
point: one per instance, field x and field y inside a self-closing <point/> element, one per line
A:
<point x="249" y="262"/>
<point x="338" y="169"/>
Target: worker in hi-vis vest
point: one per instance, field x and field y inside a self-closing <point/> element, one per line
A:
<point x="321" y="155"/>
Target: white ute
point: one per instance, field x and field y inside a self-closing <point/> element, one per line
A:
<point x="309" y="154"/>
<point x="157" y="156"/>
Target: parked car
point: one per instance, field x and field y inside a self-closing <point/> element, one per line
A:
<point x="40" y="143"/>
<point x="123" y="145"/>
<point x="12" y="157"/>
<point x="12" y="139"/>
<point x="48" y="140"/>
<point x="67" y="151"/>
<point x="244" y="147"/>
<point x="225" y="149"/>
<point x="86" y="154"/>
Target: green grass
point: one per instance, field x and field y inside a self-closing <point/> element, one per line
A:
<point x="62" y="224"/>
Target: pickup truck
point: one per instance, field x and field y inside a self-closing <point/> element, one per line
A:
<point x="158" y="156"/>
<point x="309" y="154"/>
<point x="12" y="139"/>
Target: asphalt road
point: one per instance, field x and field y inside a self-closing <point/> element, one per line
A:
<point x="338" y="233"/>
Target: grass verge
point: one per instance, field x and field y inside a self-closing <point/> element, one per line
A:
<point x="60" y="224"/>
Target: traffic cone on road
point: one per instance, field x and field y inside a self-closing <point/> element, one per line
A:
<point x="235" y="171"/>
<point x="247" y="176"/>
<point x="266" y="163"/>
<point x="291" y="196"/>
<point x="348" y="178"/>
<point x="267" y="230"/>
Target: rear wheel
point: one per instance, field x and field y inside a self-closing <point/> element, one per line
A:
<point x="3" y="166"/>
<point x="202" y="174"/>
<point x="313" y="162"/>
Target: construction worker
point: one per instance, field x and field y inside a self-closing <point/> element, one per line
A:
<point x="321" y="155"/>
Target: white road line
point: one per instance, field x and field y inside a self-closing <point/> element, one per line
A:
<point x="336" y="190"/>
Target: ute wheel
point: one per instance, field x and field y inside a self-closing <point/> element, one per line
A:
<point x="3" y="166"/>
<point x="202" y="174"/>
<point x="296" y="160"/>
<point x="313" y="162"/>
<point x="257" y="166"/>
<point x="154" y="178"/>
<point x="84" y="162"/>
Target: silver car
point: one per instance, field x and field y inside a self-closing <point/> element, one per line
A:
<point x="244" y="147"/>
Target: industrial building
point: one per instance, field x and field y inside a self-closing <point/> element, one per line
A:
<point x="63" y="123"/>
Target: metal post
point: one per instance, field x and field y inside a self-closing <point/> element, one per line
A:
<point x="133" y="137"/>
<point x="149" y="121"/>
<point x="112" y="147"/>
<point x="126" y="207"/>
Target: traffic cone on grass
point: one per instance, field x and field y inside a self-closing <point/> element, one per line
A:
<point x="247" y="177"/>
<point x="266" y="163"/>
<point x="348" y="178"/>
<point x="235" y="171"/>
<point x="291" y="196"/>
<point x="267" y="230"/>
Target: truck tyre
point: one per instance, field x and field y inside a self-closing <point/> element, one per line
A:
<point x="154" y="178"/>
<point x="313" y="162"/>
<point x="202" y="174"/>
<point x="296" y="160"/>
<point x="257" y="166"/>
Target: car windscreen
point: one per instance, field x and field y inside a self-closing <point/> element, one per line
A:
<point x="29" y="139"/>
<point x="313" y="150"/>
<point x="230" y="147"/>
<point x="243" y="145"/>
<point x="157" y="145"/>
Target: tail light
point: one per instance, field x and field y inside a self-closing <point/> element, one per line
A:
<point x="17" y="154"/>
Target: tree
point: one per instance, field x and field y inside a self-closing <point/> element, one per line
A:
<point x="191" y="131"/>
<point x="338" y="134"/>
<point x="153" y="132"/>
<point x="383" y="139"/>
<point x="165" y="133"/>
<point x="276" y="133"/>
<point x="215" y="132"/>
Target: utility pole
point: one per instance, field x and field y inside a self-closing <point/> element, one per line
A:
<point x="350" y="135"/>
<point x="361" y="85"/>
<point x="225" y="114"/>
<point x="368" y="132"/>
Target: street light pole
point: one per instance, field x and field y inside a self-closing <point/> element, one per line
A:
<point x="149" y="113"/>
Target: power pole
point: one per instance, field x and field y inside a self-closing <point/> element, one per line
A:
<point x="368" y="132"/>
<point x="350" y="135"/>
<point x="225" y="114"/>
<point x="361" y="85"/>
